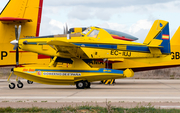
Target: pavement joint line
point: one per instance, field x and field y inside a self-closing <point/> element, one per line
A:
<point x="168" y="85"/>
<point x="65" y="97"/>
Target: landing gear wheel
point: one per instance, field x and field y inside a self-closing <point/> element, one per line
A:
<point x="20" y="85"/>
<point x="29" y="82"/>
<point x="101" y="82"/>
<point x="19" y="82"/>
<point x="87" y="84"/>
<point x="80" y="85"/>
<point x="11" y="85"/>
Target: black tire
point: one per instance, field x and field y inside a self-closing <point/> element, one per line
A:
<point x="20" y="85"/>
<point x="89" y="84"/>
<point x="19" y="81"/>
<point x="101" y="82"/>
<point x="11" y="85"/>
<point x="29" y="82"/>
<point x="80" y="85"/>
<point x="114" y="81"/>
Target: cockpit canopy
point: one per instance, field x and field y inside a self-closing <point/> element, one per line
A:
<point x="115" y="34"/>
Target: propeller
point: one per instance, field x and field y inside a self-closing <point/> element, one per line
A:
<point x="15" y="42"/>
<point x="65" y="29"/>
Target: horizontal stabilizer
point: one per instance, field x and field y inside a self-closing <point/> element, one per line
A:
<point x="155" y="51"/>
<point x="154" y="46"/>
<point x="14" y="20"/>
<point x="155" y="43"/>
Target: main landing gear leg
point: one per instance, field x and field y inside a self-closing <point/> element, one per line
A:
<point x="11" y="84"/>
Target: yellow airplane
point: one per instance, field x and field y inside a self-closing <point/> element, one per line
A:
<point x="92" y="44"/>
<point x="24" y="13"/>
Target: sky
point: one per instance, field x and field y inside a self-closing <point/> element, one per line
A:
<point x="134" y="17"/>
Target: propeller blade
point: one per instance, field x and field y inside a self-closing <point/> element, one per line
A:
<point x="15" y="47"/>
<point x="66" y="29"/>
<point x="19" y="32"/>
<point x="17" y="56"/>
<point x="16" y="32"/>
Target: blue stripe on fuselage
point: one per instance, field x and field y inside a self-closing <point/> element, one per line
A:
<point x="138" y="48"/>
<point x="101" y="70"/>
<point x="97" y="45"/>
<point x="104" y="46"/>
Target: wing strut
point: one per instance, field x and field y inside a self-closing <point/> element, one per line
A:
<point x="53" y="61"/>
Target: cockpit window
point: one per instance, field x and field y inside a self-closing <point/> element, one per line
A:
<point x="3" y="5"/>
<point x="86" y="31"/>
<point x="94" y="33"/>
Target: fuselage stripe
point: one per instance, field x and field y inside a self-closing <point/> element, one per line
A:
<point x="101" y="70"/>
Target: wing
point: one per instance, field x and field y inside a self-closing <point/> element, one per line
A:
<point x="67" y="49"/>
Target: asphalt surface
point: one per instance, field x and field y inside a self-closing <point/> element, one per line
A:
<point x="126" y="92"/>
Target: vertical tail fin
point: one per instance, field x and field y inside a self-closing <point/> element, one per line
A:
<point x="24" y="12"/>
<point x="158" y="36"/>
<point x="175" y="46"/>
<point x="175" y="40"/>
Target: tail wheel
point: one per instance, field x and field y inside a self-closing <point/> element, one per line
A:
<point x="20" y="85"/>
<point x="11" y="85"/>
<point x="80" y="85"/>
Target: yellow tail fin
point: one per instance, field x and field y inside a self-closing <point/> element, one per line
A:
<point x="16" y="11"/>
<point x="155" y="30"/>
<point x="26" y="13"/>
<point x="175" y="40"/>
<point x="158" y="38"/>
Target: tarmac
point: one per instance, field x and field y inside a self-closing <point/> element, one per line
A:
<point x="124" y="93"/>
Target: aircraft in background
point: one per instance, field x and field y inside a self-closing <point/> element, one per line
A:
<point x="92" y="44"/>
<point x="26" y="13"/>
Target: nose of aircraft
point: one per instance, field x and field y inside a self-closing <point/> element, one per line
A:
<point x="14" y="42"/>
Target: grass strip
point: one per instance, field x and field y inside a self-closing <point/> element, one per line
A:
<point x="88" y="109"/>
